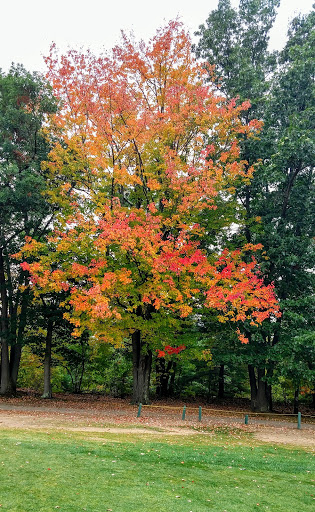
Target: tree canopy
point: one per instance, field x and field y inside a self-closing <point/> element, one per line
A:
<point x="136" y="149"/>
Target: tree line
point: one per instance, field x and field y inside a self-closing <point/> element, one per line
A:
<point x="157" y="214"/>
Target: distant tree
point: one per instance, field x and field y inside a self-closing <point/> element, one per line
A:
<point x="279" y="202"/>
<point x="25" y="102"/>
<point x="287" y="200"/>
<point x="235" y="41"/>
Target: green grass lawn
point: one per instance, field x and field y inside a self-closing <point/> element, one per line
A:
<point x="42" y="472"/>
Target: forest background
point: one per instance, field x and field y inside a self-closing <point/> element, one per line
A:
<point x="259" y="190"/>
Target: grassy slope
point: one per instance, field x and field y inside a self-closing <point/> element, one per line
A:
<point x="42" y="472"/>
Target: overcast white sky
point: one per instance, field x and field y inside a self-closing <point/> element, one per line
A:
<point x="28" y="27"/>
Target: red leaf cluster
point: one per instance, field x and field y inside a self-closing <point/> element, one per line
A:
<point x="170" y="350"/>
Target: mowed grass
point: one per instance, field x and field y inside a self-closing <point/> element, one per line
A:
<point x="42" y="472"/>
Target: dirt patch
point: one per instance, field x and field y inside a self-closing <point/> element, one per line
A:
<point x="97" y="414"/>
<point x="91" y="421"/>
<point x="40" y="422"/>
<point x="122" y="430"/>
<point x="303" y="438"/>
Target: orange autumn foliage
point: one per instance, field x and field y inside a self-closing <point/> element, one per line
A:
<point x="138" y="171"/>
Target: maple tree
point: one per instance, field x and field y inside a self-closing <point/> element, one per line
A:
<point x="147" y="146"/>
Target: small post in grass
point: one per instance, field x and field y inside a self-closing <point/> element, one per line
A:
<point x="139" y="411"/>
<point x="184" y="412"/>
<point x="200" y="413"/>
<point x="299" y="420"/>
<point x="246" y="419"/>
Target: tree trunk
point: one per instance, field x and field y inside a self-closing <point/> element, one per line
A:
<point x="16" y="349"/>
<point x="259" y="390"/>
<point x="209" y="386"/>
<point x="15" y="358"/>
<point x="164" y="374"/>
<point x="296" y="401"/>
<point x="221" y="382"/>
<point x="262" y="402"/>
<point x="6" y="387"/>
<point x="142" y="362"/>
<point x="83" y="340"/>
<point x="160" y="376"/>
<point x="172" y="380"/>
<point x="47" y="361"/>
<point x="269" y="395"/>
<point x="253" y="383"/>
<point x="269" y="374"/>
<point x="78" y="382"/>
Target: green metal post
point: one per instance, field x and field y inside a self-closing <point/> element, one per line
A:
<point x="246" y="419"/>
<point x="139" y="411"/>
<point x="200" y="413"/>
<point x="299" y="420"/>
<point x="184" y="412"/>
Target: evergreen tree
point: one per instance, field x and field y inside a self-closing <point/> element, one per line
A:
<point x="25" y="101"/>
<point x="281" y="195"/>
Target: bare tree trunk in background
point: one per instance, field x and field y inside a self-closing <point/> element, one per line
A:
<point x="221" y="382"/>
<point x="142" y="362"/>
<point x="47" y="361"/>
